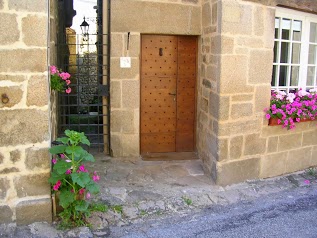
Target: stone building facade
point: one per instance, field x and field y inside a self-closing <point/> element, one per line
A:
<point x="25" y="124"/>
<point x="235" y="58"/>
<point x="234" y="68"/>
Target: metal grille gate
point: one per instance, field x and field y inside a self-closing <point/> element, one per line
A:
<point x="86" y="57"/>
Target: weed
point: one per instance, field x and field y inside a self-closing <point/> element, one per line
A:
<point x="311" y="172"/>
<point x="99" y="207"/>
<point x="117" y="208"/>
<point x="143" y="213"/>
<point x="188" y="201"/>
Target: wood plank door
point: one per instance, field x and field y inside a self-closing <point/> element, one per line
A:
<point x="168" y="75"/>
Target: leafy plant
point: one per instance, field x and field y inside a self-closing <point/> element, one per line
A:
<point x="71" y="180"/>
<point x="292" y="107"/>
<point x="60" y="80"/>
<point x="117" y="208"/>
<point x="311" y="172"/>
<point x="188" y="201"/>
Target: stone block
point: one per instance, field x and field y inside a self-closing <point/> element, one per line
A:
<point x="273" y="165"/>
<point x="235" y="147"/>
<point x="25" y="5"/>
<point x="122" y="121"/>
<point x="37" y="210"/>
<point x="260" y="66"/>
<point x="269" y="28"/>
<point x="37" y="93"/>
<point x="32" y="185"/>
<point x="233" y="74"/>
<point x="134" y="44"/>
<point x="291" y="141"/>
<point x="4" y="187"/>
<point x="1" y="6"/>
<point x="237" y="171"/>
<point x="242" y="97"/>
<point x="253" y="144"/>
<point x="309" y="137"/>
<point x="218" y="106"/>
<point x="130" y="145"/>
<point x="117" y="47"/>
<point x="249" y="42"/>
<point x="115" y="94"/>
<point x="5" y="214"/>
<point x="238" y="127"/>
<point x="23" y="126"/>
<point x="212" y="145"/>
<point x="190" y="1"/>
<point x="223" y="149"/>
<point x="131" y="94"/>
<point x="241" y="110"/>
<point x="236" y="18"/>
<point x="214" y="13"/>
<point x="116" y="145"/>
<point x="258" y="24"/>
<point x="314" y="157"/>
<point x="9" y="29"/>
<point x="204" y="105"/>
<point x="15" y="156"/>
<point x="37" y="159"/>
<point x="227" y="45"/>
<point x="34" y="36"/>
<point x="34" y="60"/>
<point x="155" y="17"/>
<point x="9" y="170"/>
<point x="299" y="159"/>
<point x="14" y="95"/>
<point x="124" y="73"/>
<point x="206" y="14"/>
<point x="272" y="144"/>
<point x="1" y="158"/>
<point x="262" y="97"/>
<point x="13" y="78"/>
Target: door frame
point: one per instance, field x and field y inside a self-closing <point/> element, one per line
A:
<point x="159" y="154"/>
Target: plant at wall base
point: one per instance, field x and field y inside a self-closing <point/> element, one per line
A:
<point x="60" y="80"/>
<point x="71" y="180"/>
<point x="292" y="107"/>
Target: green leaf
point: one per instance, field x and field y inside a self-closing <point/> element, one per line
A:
<point x="81" y="206"/>
<point x="82" y="179"/>
<point x="58" y="149"/>
<point x="55" y="177"/>
<point x="93" y="187"/>
<point x="76" y="150"/>
<point x="66" y="198"/>
<point x="64" y="140"/>
<point x="84" y="140"/>
<point x="61" y="166"/>
<point x="85" y="156"/>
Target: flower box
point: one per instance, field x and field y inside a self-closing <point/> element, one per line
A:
<point x="274" y="121"/>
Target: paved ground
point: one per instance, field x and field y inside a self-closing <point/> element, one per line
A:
<point x="156" y="190"/>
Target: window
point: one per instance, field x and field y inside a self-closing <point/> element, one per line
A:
<point x="295" y="50"/>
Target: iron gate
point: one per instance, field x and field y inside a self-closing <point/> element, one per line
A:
<point x="86" y="57"/>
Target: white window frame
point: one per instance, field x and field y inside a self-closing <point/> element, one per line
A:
<point x="306" y="19"/>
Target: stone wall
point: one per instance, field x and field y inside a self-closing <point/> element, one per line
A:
<point x="24" y="109"/>
<point x="180" y="17"/>
<point x="235" y="141"/>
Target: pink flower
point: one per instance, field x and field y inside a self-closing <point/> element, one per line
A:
<point x="68" y="171"/>
<point x="54" y="161"/>
<point x="57" y="185"/>
<point x="53" y="69"/>
<point x="82" y="168"/>
<point x="68" y="90"/>
<point x="68" y="81"/>
<point x="64" y="75"/>
<point x="95" y="177"/>
<point x="62" y="156"/>
<point x="268" y="116"/>
<point x="81" y="191"/>
<point x="88" y="195"/>
<point x="307" y="182"/>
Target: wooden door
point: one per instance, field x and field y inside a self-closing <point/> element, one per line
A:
<point x="168" y="75"/>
